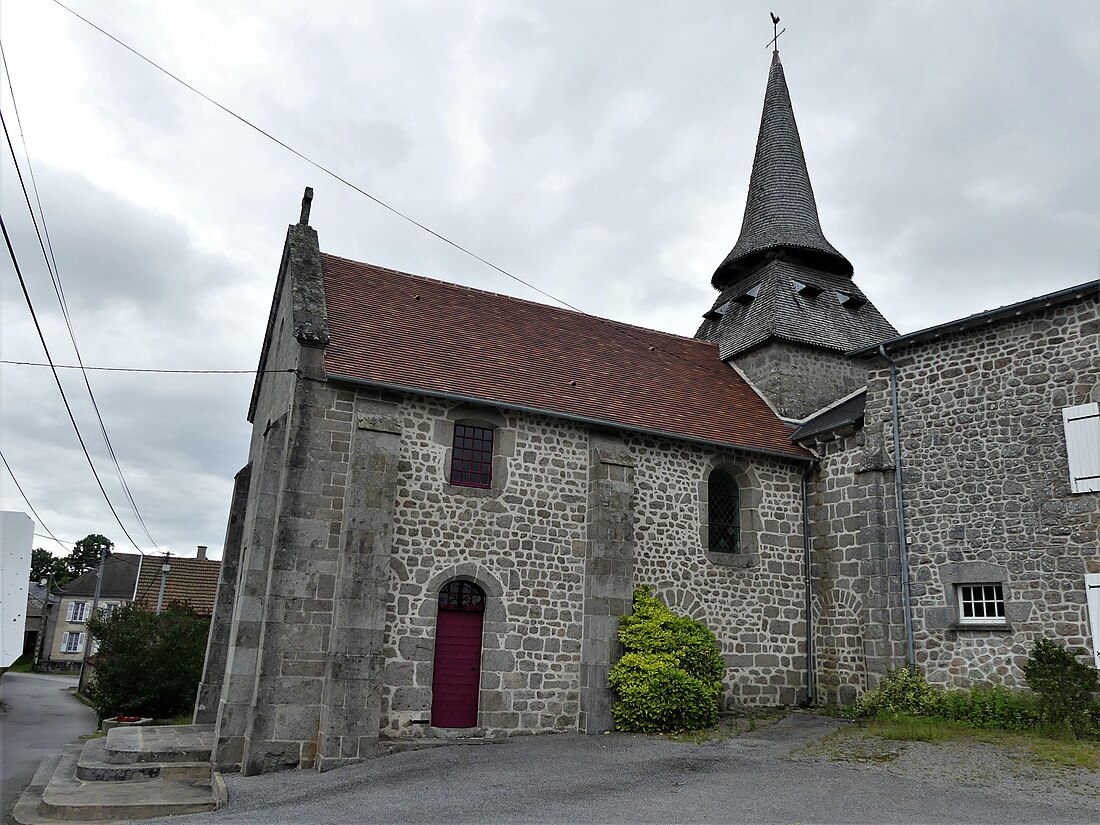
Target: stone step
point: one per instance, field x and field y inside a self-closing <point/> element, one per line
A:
<point x="159" y="744"/>
<point x="67" y="798"/>
<point x="93" y="767"/>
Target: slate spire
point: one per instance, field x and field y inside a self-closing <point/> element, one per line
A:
<point x="780" y="212"/>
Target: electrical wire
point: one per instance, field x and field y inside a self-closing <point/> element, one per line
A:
<point x="615" y="325"/>
<point x="19" y="487"/>
<point x="57" y="380"/>
<point x="147" y="370"/>
<point x="55" y="277"/>
<point x="314" y="163"/>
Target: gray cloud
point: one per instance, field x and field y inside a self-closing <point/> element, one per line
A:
<point x="601" y="151"/>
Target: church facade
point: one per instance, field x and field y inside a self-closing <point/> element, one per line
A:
<point x="440" y="524"/>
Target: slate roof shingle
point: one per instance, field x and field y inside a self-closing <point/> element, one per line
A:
<point x="119" y="574"/>
<point x="780" y="210"/>
<point x="421" y="335"/>
<point x="779" y="311"/>
<point x="846" y="413"/>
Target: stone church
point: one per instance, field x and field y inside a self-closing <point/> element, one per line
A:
<point x="440" y="525"/>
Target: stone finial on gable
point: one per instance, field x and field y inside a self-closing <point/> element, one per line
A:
<point x="307" y="202"/>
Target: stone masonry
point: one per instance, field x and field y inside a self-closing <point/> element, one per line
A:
<point x="798" y="380"/>
<point x="351" y="529"/>
<point x="987" y="484"/>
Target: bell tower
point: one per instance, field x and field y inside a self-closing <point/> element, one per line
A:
<point x="787" y="309"/>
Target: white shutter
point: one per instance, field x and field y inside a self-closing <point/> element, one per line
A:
<point x="1082" y="425"/>
<point x="1092" y="591"/>
<point x="69" y="615"/>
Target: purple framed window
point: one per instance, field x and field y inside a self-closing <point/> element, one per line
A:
<point x="472" y="456"/>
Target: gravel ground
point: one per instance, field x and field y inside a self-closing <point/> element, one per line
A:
<point x="771" y="774"/>
<point x="1003" y="765"/>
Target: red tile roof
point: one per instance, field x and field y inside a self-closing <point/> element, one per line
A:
<point x="194" y="581"/>
<point x="403" y="330"/>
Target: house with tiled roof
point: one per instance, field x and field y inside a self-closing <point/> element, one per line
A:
<point x="188" y="581"/>
<point x="64" y="642"/>
<point x="128" y="578"/>
<point x="440" y="525"/>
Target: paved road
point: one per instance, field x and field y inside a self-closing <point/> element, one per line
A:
<point x="571" y="778"/>
<point x="40" y="717"/>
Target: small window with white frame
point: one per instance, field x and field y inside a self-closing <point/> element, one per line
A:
<point x="78" y="612"/>
<point x="981" y="603"/>
<point x="72" y="642"/>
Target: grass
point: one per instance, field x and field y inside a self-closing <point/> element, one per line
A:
<point x="1041" y="747"/>
<point x="21" y="665"/>
<point x="178" y="719"/>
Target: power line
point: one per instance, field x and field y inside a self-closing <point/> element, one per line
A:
<point x="616" y="326"/>
<point x="141" y="369"/>
<point x="314" y="163"/>
<point x="29" y="505"/>
<point x="55" y="277"/>
<point x="57" y="380"/>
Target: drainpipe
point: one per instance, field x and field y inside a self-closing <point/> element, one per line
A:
<point x="807" y="574"/>
<point x="899" y="488"/>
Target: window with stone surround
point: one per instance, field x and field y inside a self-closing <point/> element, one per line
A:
<point x="78" y="612"/>
<point x="472" y="456"/>
<point x="981" y="603"/>
<point x="729" y="498"/>
<point x="72" y="642"/>
<point x="479" y="445"/>
<point x="724" y="505"/>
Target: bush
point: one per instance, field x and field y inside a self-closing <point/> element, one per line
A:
<point x="1064" y="686"/>
<point x="994" y="708"/>
<point x="902" y="691"/>
<point x="148" y="664"/>
<point x="670" y="677"/>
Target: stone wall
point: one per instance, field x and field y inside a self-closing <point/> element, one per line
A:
<point x="987" y="484"/>
<point x="754" y="601"/>
<point x="523" y="542"/>
<point x="797" y="379"/>
<point x="858" y="618"/>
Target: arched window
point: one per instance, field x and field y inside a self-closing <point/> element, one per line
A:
<point x="724" y="510"/>
<point x="462" y="595"/>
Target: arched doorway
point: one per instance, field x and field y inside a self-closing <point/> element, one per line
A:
<point x="456" y="676"/>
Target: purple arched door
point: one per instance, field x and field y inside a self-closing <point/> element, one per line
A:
<point x="456" y="676"/>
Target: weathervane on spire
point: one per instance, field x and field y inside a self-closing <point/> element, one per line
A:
<point x="774" y="42"/>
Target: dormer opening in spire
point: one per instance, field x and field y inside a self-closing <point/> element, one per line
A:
<point x="781" y="219"/>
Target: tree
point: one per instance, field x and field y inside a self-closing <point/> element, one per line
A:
<point x="45" y="565"/>
<point x="87" y="552"/>
<point x="147" y="664"/>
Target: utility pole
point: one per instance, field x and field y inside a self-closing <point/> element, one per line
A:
<point x="164" y="568"/>
<point x="103" y="553"/>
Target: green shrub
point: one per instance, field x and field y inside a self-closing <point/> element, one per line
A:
<point x="148" y="664"/>
<point x="994" y="708"/>
<point x="1064" y="686"/>
<point x="903" y="691"/>
<point x="670" y="677"/>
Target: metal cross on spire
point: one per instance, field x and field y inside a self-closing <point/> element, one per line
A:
<point x="774" y="42"/>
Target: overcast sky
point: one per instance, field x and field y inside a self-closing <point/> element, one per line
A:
<point x="598" y="150"/>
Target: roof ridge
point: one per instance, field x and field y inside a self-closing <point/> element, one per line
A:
<point x="683" y="338"/>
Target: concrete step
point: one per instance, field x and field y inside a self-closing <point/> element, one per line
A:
<point x="159" y="744"/>
<point x="67" y="798"/>
<point x="92" y="767"/>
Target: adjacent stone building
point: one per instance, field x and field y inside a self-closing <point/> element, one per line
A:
<point x="451" y="494"/>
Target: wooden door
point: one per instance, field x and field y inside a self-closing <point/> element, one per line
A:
<point x="456" y="678"/>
